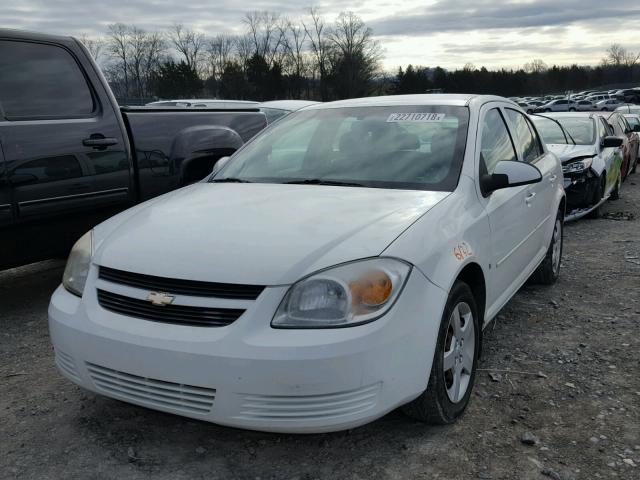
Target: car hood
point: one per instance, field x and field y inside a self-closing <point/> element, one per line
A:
<point x="267" y="234"/>
<point x="568" y="152"/>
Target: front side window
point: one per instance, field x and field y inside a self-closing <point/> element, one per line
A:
<point x="529" y="144"/>
<point x="495" y="144"/>
<point x="404" y="147"/>
<point x="41" y="81"/>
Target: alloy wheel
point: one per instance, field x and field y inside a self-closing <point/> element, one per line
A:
<point x="459" y="351"/>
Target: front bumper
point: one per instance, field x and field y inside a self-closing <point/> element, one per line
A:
<point x="581" y="189"/>
<point x="248" y="374"/>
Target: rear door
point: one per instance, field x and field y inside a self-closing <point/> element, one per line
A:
<point x="56" y="133"/>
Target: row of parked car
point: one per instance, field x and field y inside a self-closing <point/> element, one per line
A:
<point x="598" y="151"/>
<point x="586" y="101"/>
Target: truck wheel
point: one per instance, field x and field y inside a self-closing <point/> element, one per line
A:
<point x="454" y="363"/>
<point x="549" y="270"/>
<point x="597" y="197"/>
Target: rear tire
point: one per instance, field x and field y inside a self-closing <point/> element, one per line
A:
<point x="449" y="389"/>
<point x="549" y="270"/>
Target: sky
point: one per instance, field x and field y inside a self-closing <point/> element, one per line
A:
<point x="448" y="33"/>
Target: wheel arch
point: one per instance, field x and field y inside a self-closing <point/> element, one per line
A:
<point x="473" y="275"/>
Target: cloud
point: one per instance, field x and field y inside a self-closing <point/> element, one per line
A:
<point x="459" y="16"/>
<point x="449" y="33"/>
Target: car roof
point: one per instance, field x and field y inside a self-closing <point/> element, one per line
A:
<point x="289" y="105"/>
<point x="569" y="114"/>
<point x="445" y="99"/>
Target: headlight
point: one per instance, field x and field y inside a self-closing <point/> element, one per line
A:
<point x="343" y="296"/>
<point x="578" y="165"/>
<point x="77" y="269"/>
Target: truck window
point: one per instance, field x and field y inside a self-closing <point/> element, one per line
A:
<point x="41" y="81"/>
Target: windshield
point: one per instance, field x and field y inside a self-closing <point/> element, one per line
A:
<point x="551" y="132"/>
<point x="581" y="129"/>
<point x="403" y="147"/>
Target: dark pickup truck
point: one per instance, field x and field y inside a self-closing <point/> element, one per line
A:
<point x="70" y="157"/>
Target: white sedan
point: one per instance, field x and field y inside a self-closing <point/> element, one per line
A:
<point x="340" y="265"/>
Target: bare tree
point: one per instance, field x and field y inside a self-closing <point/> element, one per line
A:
<point x="618" y="56"/>
<point x="118" y="48"/>
<point x="219" y="52"/>
<point x="535" y="66"/>
<point x="244" y="50"/>
<point x="317" y="34"/>
<point x="189" y="43"/>
<point x="295" y="55"/>
<point x="94" y="45"/>
<point x="145" y="52"/>
<point x="266" y="34"/>
<point x="356" y="56"/>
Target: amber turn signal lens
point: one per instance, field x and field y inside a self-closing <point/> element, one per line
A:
<point x="372" y="289"/>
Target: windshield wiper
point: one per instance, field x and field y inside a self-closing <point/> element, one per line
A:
<point x="230" y="180"/>
<point x="318" y="181"/>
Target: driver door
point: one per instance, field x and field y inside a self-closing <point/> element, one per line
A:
<point x="510" y="219"/>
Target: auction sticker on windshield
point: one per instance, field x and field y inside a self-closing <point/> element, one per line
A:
<point x="416" y="117"/>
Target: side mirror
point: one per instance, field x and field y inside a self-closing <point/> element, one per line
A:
<point x="636" y="128"/>
<point x="612" y="142"/>
<point x="222" y="161"/>
<point x="509" y="173"/>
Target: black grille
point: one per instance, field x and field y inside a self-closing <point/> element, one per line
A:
<point x="182" y="287"/>
<point x="177" y="314"/>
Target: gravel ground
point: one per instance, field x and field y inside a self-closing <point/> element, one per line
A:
<point x="558" y="394"/>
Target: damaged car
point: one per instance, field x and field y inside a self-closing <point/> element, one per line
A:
<point x="591" y="159"/>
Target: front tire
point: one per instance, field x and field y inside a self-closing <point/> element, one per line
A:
<point x="549" y="270"/>
<point x="597" y="197"/>
<point x="454" y="364"/>
<point x="615" y="193"/>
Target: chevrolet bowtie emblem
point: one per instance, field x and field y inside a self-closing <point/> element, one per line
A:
<point x="160" y="299"/>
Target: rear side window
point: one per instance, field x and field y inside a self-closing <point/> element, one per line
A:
<point x="41" y="81"/>
<point x="525" y="136"/>
<point x="495" y="145"/>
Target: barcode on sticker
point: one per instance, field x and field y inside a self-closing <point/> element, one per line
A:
<point x="416" y="117"/>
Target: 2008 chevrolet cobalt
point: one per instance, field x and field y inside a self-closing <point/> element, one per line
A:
<point x="340" y="265"/>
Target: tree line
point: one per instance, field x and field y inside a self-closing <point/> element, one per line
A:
<point x="311" y="58"/>
<point x="618" y="67"/>
<point x="276" y="57"/>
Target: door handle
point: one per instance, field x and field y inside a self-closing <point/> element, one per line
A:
<point x="552" y="178"/>
<point x="99" y="141"/>
<point x="529" y="198"/>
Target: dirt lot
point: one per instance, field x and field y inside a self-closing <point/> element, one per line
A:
<point x="560" y="363"/>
